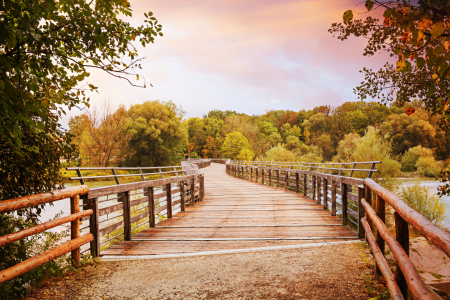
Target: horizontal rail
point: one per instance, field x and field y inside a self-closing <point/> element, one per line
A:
<point x="42" y="198"/>
<point x="430" y="231"/>
<point x="38" y="260"/>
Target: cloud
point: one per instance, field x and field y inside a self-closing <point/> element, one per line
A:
<point x="242" y="55"/>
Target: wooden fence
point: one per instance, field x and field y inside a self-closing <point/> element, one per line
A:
<point x="358" y="206"/>
<point x="114" y="210"/>
<point x="71" y="246"/>
<point x="340" y="193"/>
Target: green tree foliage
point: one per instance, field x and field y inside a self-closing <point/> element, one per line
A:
<point x="234" y="143"/>
<point x="417" y="34"/>
<point x="280" y="153"/>
<point x="409" y="160"/>
<point x="158" y="136"/>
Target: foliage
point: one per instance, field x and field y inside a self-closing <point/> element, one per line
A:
<point x="374" y="147"/>
<point x="409" y="160"/>
<point x="421" y="199"/>
<point x="234" y="143"/>
<point x="158" y="137"/>
<point x="246" y="154"/>
<point x="99" y="136"/>
<point x="427" y="166"/>
<point x="280" y="153"/>
<point x="46" y="49"/>
<point x="347" y="147"/>
<point x="417" y="34"/>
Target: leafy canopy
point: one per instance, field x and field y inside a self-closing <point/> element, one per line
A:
<point x="46" y="48"/>
<point x="417" y="37"/>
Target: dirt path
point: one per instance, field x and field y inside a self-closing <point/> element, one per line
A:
<point x="326" y="272"/>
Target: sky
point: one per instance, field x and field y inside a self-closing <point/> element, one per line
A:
<point x="244" y="55"/>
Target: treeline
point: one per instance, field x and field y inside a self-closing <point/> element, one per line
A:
<point x="154" y="133"/>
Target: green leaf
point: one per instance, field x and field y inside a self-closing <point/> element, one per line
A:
<point x="387" y="13"/>
<point x="369" y="5"/>
<point x="348" y="15"/>
<point x="420" y="62"/>
<point x="437" y="30"/>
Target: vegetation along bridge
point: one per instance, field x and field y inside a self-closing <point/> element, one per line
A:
<point x="233" y="205"/>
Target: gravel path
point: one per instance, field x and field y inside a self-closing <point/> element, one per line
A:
<point x="325" y="272"/>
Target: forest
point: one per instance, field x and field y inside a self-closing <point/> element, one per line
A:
<point x="407" y="139"/>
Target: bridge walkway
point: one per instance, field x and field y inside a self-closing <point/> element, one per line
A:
<point x="238" y="214"/>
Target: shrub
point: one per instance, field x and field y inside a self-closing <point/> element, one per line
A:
<point x="427" y="166"/>
<point x="409" y="160"/>
<point x="421" y="199"/>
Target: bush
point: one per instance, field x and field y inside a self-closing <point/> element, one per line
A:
<point x="280" y="153"/>
<point x="409" y="160"/>
<point x="421" y="199"/>
<point x="428" y="166"/>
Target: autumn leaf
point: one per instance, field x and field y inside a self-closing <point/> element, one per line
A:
<point x="369" y="5"/>
<point x="437" y="30"/>
<point x="410" y="111"/>
<point x="387" y="21"/>
<point x="401" y="64"/>
<point x="348" y="15"/>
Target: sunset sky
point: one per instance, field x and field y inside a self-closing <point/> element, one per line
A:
<point x="244" y="55"/>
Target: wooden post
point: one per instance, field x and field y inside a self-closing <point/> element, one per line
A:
<point x="361" y="213"/>
<point x="278" y="178"/>
<point x="192" y="191"/>
<point x="270" y="177"/>
<point x="169" y="199"/>
<point x="182" y="196"/>
<point x="203" y="186"/>
<point x="314" y="187"/>
<point x="368" y="197"/>
<point x="325" y="193"/>
<point x="333" y="198"/>
<point x="286" y="181"/>
<point x="94" y="227"/>
<point x="75" y="229"/>
<point x="381" y="213"/>
<point x="151" y="207"/>
<point x="402" y="236"/>
<point x="257" y="170"/>
<point x="319" y="191"/>
<point x="297" y="184"/>
<point x="251" y="173"/>
<point x="126" y="216"/>
<point x="305" y="185"/>
<point x="344" y="204"/>
<point x="262" y="176"/>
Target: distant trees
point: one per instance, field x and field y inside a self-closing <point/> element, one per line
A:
<point x="236" y="145"/>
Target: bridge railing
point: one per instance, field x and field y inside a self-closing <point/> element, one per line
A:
<point x="356" y="207"/>
<point x="73" y="245"/>
<point x="120" y="210"/>
<point x="329" y="184"/>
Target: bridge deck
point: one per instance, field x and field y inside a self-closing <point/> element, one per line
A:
<point x="236" y="214"/>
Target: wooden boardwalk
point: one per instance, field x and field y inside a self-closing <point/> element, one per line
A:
<point x="237" y="214"/>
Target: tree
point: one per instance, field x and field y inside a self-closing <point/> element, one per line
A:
<point x="158" y="137"/>
<point x="211" y="148"/>
<point x="100" y="137"/>
<point x="234" y="143"/>
<point x="197" y="138"/>
<point x="418" y="36"/>
<point x="47" y="48"/>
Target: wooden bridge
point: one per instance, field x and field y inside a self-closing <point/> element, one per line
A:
<point x="233" y="206"/>
<point x="235" y="214"/>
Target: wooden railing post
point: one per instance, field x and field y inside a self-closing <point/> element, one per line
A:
<point x="314" y="187"/>
<point x="262" y="176"/>
<point x="278" y="178"/>
<point x="126" y="216"/>
<point x="270" y="177"/>
<point x="75" y="229"/>
<point x="202" y="181"/>
<point x="169" y="199"/>
<point x="257" y="171"/>
<point x="344" y="204"/>
<point x="286" y="181"/>
<point x="361" y="213"/>
<point x="319" y="190"/>
<point x="192" y="191"/>
<point x="305" y="185"/>
<point x="368" y="197"/>
<point x="325" y="193"/>
<point x="297" y="183"/>
<point x="333" y="198"/>
<point x="94" y="227"/>
<point x="402" y="236"/>
<point x="381" y="213"/>
<point x="251" y="173"/>
<point x="182" y="196"/>
<point x="151" y="206"/>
